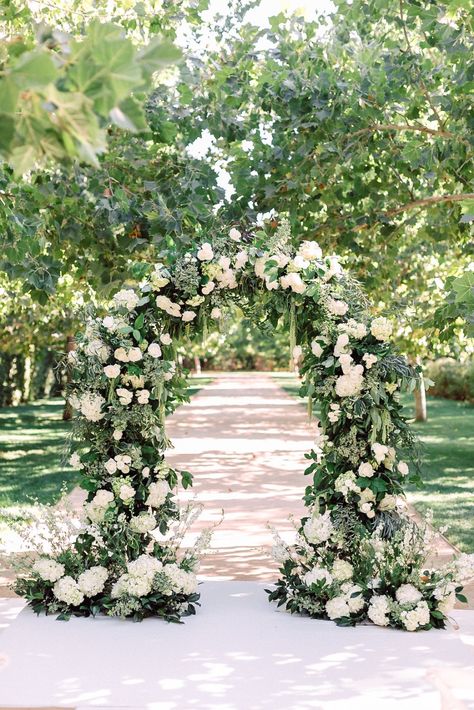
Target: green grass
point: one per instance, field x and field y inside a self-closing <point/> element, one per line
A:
<point x="448" y="464"/>
<point x="32" y="442"/>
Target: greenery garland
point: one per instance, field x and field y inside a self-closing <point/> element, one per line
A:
<point x="357" y="554"/>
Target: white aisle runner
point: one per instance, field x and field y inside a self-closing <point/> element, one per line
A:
<point x="238" y="653"/>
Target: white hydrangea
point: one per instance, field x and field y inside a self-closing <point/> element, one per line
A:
<point x="144" y="565"/>
<point x="355" y="603"/>
<point x="417" y="617"/>
<point x="90" y="405"/>
<point x="97" y="348"/>
<point x="67" y="590"/>
<point x="157" y="492"/>
<point x="143" y="523"/>
<point x="181" y="582"/>
<point x="318" y="528"/>
<point x="345" y="483"/>
<point x="381" y="328"/>
<point x="336" y="307"/>
<point x="49" y="570"/>
<point x="132" y="585"/>
<point x="379" y="609"/>
<point x="92" y="581"/>
<point x="317" y="574"/>
<point x="342" y="570"/>
<point x="334" y="413"/>
<point x="408" y="594"/>
<point x="337" y="608"/>
<point x="126" y="298"/>
<point x="464" y="566"/>
<point x="350" y="384"/>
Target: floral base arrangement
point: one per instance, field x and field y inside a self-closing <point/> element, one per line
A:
<point x="357" y="556"/>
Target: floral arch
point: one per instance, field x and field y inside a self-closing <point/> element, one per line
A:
<point x="357" y="554"/>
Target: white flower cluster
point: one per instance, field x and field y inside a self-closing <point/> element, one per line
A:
<point x="49" y="570"/>
<point x="89" y="404"/>
<point x="126" y="298"/>
<point x="96" y="508"/>
<point x="120" y="462"/>
<point x="381" y="328"/>
<point x="318" y="528"/>
<point x="138" y="580"/>
<point x="157" y="493"/>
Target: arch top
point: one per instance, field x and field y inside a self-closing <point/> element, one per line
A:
<point x="357" y="554"/>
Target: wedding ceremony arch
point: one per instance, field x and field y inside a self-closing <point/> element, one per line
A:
<point x="357" y="556"/>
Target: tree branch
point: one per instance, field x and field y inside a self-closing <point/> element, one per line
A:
<point x="406" y="127"/>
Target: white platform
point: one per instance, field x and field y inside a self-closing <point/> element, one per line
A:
<point x="238" y="653"/>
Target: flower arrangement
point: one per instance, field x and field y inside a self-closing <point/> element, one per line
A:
<point x="357" y="556"/>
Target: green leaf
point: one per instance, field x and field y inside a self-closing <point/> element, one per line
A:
<point x="34" y="70"/>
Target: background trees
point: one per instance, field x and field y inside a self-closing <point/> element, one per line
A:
<point x="357" y="127"/>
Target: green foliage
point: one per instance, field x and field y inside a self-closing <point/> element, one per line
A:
<point x="452" y="379"/>
<point x="57" y="98"/>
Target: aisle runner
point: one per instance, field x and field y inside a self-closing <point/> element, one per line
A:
<point x="238" y="653"/>
<point x="244" y="439"/>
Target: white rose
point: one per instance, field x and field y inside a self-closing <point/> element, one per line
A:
<point x="235" y="235"/>
<point x="117" y="434"/>
<point x="403" y="469"/>
<point x="157" y="492"/>
<point x="216" y="313"/>
<point x="299" y="263"/>
<point x="316" y="349"/>
<point x="75" y="461"/>
<point x="127" y="298"/>
<point x="124" y="395"/>
<point x="388" y="502"/>
<point x="135" y="354"/>
<point x="165" y="339"/>
<point x="143" y="396"/>
<point x="188" y="316"/>
<point x="205" y="253"/>
<point x="297" y="352"/>
<point x="294" y="282"/>
<point x="154" y="350"/>
<point x="380" y="451"/>
<point x="310" y="250"/>
<point x="366" y="470"/>
<point x="109" y="322"/>
<point x="241" y="259"/>
<point x="224" y="263"/>
<point x="208" y="288"/>
<point x="112" y="371"/>
<point x="110" y="466"/>
<point x="341" y="343"/>
<point x="126" y="492"/>
<point x="121" y="355"/>
<point x="369" y="360"/>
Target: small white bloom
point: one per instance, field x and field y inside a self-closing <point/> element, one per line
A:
<point x="135" y="354"/>
<point x="66" y="590"/>
<point x="216" y="313"/>
<point x="380" y="451"/>
<point x="157" y="492"/>
<point x="337" y="308"/>
<point x="117" y="434"/>
<point x="235" y="235"/>
<point x="310" y="251"/>
<point x="342" y="570"/>
<point x="109" y="322"/>
<point x="92" y="581"/>
<point x="293" y="281"/>
<point x="124" y="395"/>
<point x="127" y="298"/>
<point x="337" y="608"/>
<point x="408" y="594"/>
<point x="317" y="574"/>
<point x="165" y="338"/>
<point x="369" y="360"/>
<point x="241" y="259"/>
<point x="49" y="570"/>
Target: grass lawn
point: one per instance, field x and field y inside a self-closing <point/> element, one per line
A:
<point x="448" y="468"/>
<point x="32" y="441"/>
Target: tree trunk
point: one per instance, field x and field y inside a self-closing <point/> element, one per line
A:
<point x="70" y="347"/>
<point x="420" y="402"/>
<point x="197" y="365"/>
